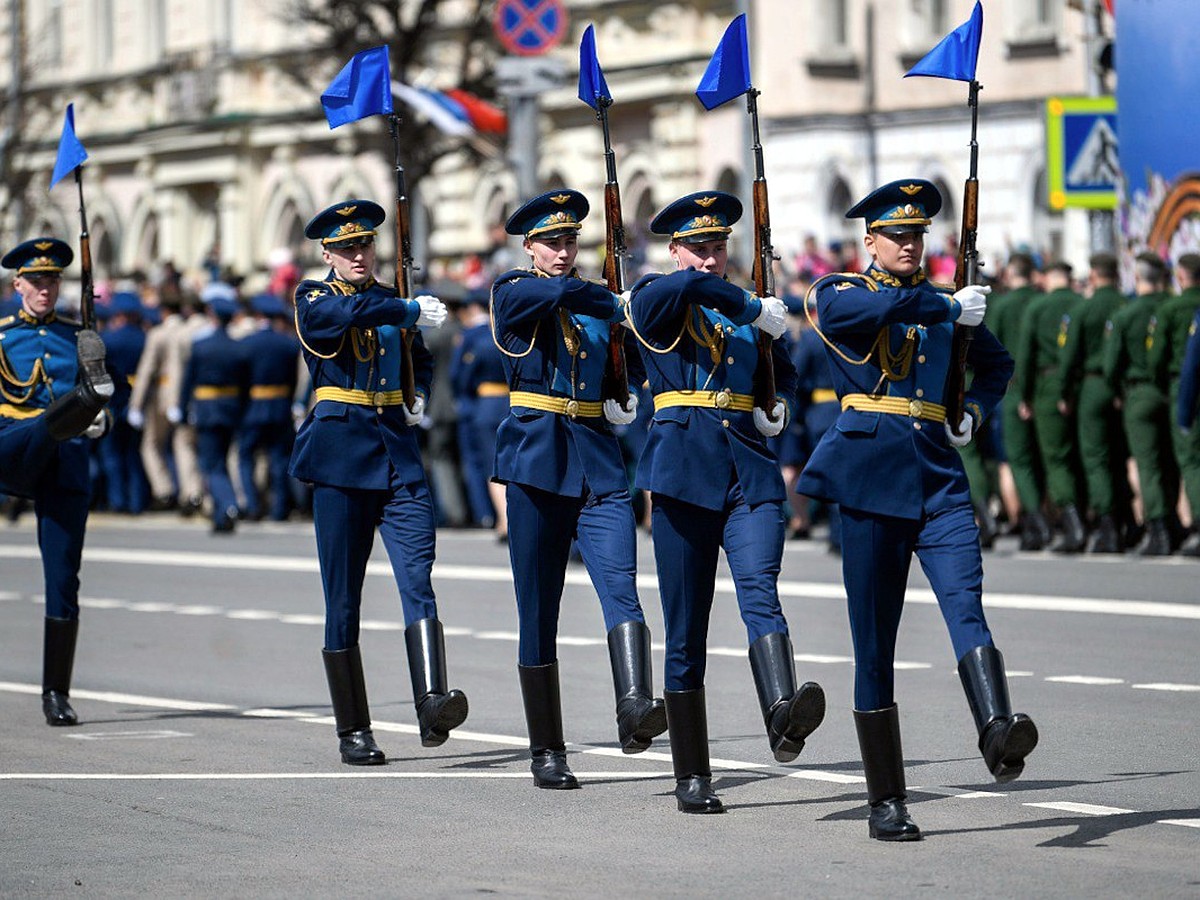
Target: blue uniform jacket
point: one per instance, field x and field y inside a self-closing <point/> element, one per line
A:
<point x="352" y="340"/>
<point x="217" y="364"/>
<point x="1189" y="379"/>
<point x="478" y="361"/>
<point x="813" y="373"/>
<point x="694" y="454"/>
<point x="123" y="348"/>
<point x="542" y="449"/>
<point x="273" y="358"/>
<point x="883" y="463"/>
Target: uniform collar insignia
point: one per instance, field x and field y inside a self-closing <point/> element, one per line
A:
<point x="889" y="280"/>
<point x="705" y="202"/>
<point x="911" y="189"/>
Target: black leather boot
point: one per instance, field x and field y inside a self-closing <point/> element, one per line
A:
<point x="1191" y="545"/>
<point x="883" y="764"/>
<point x="1108" y="536"/>
<point x="70" y="415"/>
<point x="988" y="528"/>
<point x="687" y="719"/>
<point x="1005" y="738"/>
<point x="543" y="717"/>
<point x="790" y="715"/>
<point x="1074" y="537"/>
<point x="1158" y="539"/>
<point x="640" y="717"/>
<point x="348" y="691"/>
<point x="58" y="659"/>
<point x="439" y="709"/>
<point x="1035" y="531"/>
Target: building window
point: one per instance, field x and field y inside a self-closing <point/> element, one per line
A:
<point x="1034" y="27"/>
<point x="830" y="51"/>
<point x="103" y="31"/>
<point x="52" y="37"/>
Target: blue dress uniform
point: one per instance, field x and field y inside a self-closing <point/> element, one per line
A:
<point x="818" y="404"/>
<point x="1189" y="381"/>
<point x="481" y="392"/>
<point x="359" y="451"/>
<point x="565" y="479"/>
<point x="53" y="385"/>
<point x="714" y="484"/>
<point x="120" y="454"/>
<point x="902" y="489"/>
<point x="267" y="425"/>
<point x="213" y="399"/>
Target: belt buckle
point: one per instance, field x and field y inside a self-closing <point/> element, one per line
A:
<point x="915" y="408"/>
<point x="724" y="398"/>
<point x="378" y="398"/>
<point x="572" y="408"/>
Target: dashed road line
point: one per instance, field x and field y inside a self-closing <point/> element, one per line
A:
<point x="1085" y="809"/>
<point x="1085" y="679"/>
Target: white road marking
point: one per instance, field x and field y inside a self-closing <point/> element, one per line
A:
<point x="1085" y="679"/>
<point x="366" y="772"/>
<point x="127" y="735"/>
<point x="1166" y="686"/>
<point x="1086" y="809"/>
<point x="1186" y="823"/>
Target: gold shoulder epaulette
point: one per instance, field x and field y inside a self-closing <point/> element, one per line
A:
<point x="843" y="280"/>
<point x="7" y="321"/>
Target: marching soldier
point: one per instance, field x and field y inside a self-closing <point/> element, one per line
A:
<point x="215" y="387"/>
<point x="818" y="405"/>
<point x="272" y="352"/>
<point x="1004" y="315"/>
<point x="1085" y="392"/>
<point x="561" y="464"/>
<point x="1132" y="334"/>
<point x="54" y="388"/>
<point x="714" y="484"/>
<point x="358" y="448"/>
<point x="1165" y="357"/>
<point x="124" y="341"/>
<point x="892" y="464"/>
<point x="1044" y="328"/>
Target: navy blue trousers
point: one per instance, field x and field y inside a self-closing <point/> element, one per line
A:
<point x="124" y="476"/>
<point x="276" y="440"/>
<point x="540" y="528"/>
<point x="475" y="468"/>
<point x="876" y="554"/>
<point x="54" y="476"/>
<point x="212" y="450"/>
<point x="687" y="542"/>
<point x="345" y="521"/>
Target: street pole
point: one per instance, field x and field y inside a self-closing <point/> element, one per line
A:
<point x="1101" y="222"/>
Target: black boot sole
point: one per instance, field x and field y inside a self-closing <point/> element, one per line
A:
<point x="699" y="809"/>
<point x="1019" y="742"/>
<point x="805" y="713"/>
<point x="452" y="714"/>
<point x="894" y="836"/>
<point x="650" y="726"/>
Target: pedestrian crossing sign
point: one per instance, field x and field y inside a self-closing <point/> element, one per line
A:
<point x="1081" y="152"/>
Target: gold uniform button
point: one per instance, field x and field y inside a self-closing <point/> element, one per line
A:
<point x="41" y="331"/>
<point x="917" y="425"/>
<point x="582" y="386"/>
<point x="729" y="360"/>
<point x="921" y="358"/>
<point x="382" y="351"/>
<point x="724" y="423"/>
<point x="920" y="393"/>
<point x="383" y="381"/>
<point x="47" y="355"/>
<point x="379" y="410"/>
<point x="583" y="354"/>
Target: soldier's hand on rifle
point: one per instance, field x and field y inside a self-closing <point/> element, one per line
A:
<point x="433" y="311"/>
<point x="773" y="318"/>
<point x="966" y="428"/>
<point x="770" y="427"/>
<point x="417" y="413"/>
<point x="99" y="426"/>
<point x="621" y="415"/>
<point x="135" y="418"/>
<point x="972" y="301"/>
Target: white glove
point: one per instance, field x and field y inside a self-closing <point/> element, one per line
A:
<point x="135" y="418"/>
<point x="619" y="415"/>
<point x="623" y="305"/>
<point x="417" y="413"/>
<point x="966" y="426"/>
<point x="764" y="425"/>
<point x="772" y="319"/>
<point x="299" y="412"/>
<point x="973" y="300"/>
<point x="99" y="426"/>
<point x="433" y="311"/>
<point x="174" y="415"/>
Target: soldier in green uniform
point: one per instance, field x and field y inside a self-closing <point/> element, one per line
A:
<point x="1020" y="444"/>
<point x="1165" y="356"/>
<point x="1132" y="333"/>
<point x="1044" y="329"/>
<point x="1101" y="438"/>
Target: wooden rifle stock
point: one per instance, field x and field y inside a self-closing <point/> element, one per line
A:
<point x="404" y="266"/>
<point x="87" y="289"/>
<point x="965" y="272"/>
<point x="764" y="258"/>
<point x="616" y="380"/>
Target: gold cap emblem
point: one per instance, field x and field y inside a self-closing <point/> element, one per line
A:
<point x="347" y="210"/>
<point x="560" y="199"/>
<point x="705" y="202"/>
<point x="44" y="245"/>
<point x="911" y="189"/>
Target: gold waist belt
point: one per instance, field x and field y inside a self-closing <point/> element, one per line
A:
<point x="9" y="411"/>
<point x="213" y="392"/>
<point x="361" y="398"/>
<point x="492" y="389"/>
<point x="270" y="392"/>
<point x="563" y="406"/>
<point x="824" y="395"/>
<point x="724" y="399"/>
<point x="896" y="406"/>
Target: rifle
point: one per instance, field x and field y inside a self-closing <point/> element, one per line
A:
<point x="966" y="272"/>
<point x="616" y="381"/>
<point x="87" y="291"/>
<point x="764" y="259"/>
<point x="404" y="266"/>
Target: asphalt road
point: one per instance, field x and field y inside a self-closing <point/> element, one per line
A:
<point x="206" y="764"/>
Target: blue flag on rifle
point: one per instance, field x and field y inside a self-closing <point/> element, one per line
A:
<point x="728" y="72"/>
<point x="957" y="54"/>
<point x="592" y="86"/>
<point x="363" y="88"/>
<point x="70" y="152"/>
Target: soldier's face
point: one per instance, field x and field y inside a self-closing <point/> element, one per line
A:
<point x="353" y="264"/>
<point x="899" y="254"/>
<point x="38" y="291"/>
<point x="554" y="256"/>
<point x="707" y="256"/>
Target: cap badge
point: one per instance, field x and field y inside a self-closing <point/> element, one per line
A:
<point x="705" y="202"/>
<point x="347" y="210"/>
<point x="44" y="245"/>
<point x="560" y="199"/>
<point x="911" y="189"/>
